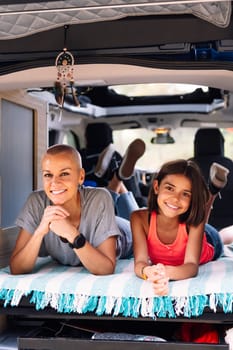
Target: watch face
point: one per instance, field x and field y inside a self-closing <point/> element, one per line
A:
<point x="65" y="58"/>
<point x="79" y="242"/>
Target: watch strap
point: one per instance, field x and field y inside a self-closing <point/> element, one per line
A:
<point x="79" y="242"/>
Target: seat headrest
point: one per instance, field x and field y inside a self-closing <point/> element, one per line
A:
<point x="208" y="142"/>
<point x="98" y="136"/>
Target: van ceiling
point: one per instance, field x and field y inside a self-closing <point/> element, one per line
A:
<point x="132" y="49"/>
<point x="29" y="40"/>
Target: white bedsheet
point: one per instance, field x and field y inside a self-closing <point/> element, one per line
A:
<point x="75" y="290"/>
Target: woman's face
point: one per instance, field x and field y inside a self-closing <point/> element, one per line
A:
<point x="61" y="177"/>
<point x="174" y="194"/>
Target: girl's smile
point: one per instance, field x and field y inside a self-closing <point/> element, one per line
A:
<point x="172" y="206"/>
<point x="174" y="194"/>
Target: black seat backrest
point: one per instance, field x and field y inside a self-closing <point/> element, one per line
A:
<point x="209" y="148"/>
<point x="98" y="136"/>
<point x="208" y="142"/>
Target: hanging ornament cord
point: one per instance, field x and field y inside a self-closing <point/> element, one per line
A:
<point x="65" y="78"/>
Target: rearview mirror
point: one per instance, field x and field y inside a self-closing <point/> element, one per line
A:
<point x="162" y="136"/>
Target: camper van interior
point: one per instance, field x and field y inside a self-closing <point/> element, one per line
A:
<point x="156" y="70"/>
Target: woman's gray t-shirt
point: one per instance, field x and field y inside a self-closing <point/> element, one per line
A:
<point x="97" y="223"/>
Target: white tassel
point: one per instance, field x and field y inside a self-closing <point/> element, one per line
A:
<point x="229" y="338"/>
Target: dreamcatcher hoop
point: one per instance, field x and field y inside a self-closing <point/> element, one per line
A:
<point x="65" y="67"/>
<point x="65" y="78"/>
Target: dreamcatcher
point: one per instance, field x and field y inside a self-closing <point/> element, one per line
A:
<point x="64" y="84"/>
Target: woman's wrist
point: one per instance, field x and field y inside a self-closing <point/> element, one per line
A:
<point x="73" y="233"/>
<point x="39" y="233"/>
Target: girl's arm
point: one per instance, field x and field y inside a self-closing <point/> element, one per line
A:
<point x="192" y="256"/>
<point x="139" y="227"/>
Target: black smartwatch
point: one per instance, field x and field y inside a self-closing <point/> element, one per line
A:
<point x="79" y="242"/>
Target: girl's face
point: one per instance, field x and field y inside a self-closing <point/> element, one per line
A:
<point x="174" y="195"/>
<point x="61" y="176"/>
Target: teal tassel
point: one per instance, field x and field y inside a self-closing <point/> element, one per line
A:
<point x="135" y="307"/>
<point x="128" y="304"/>
<point x="65" y="303"/>
<point x="101" y="306"/>
<point x="126" y="307"/>
<point x="169" y="307"/>
<point x="160" y="307"/>
<point x="8" y="296"/>
<point x="162" y="311"/>
<point x="201" y="302"/>
<point x="225" y="301"/>
<point x="3" y="294"/>
<point x="91" y="304"/>
<point x="229" y="303"/>
<point x="38" y="299"/>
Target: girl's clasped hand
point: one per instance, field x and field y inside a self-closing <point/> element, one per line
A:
<point x="157" y="275"/>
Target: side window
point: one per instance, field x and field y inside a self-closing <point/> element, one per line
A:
<point x="16" y="159"/>
<point x="70" y="138"/>
<point x="67" y="137"/>
<point x="53" y="137"/>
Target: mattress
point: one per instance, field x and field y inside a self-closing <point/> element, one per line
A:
<point x="29" y="18"/>
<point x="69" y="290"/>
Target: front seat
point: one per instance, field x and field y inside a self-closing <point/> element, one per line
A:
<point x="98" y="137"/>
<point x="209" y="148"/>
